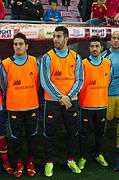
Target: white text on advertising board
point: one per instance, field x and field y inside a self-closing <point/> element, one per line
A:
<point x="98" y="32"/>
<point x="6" y="33"/>
<point x="77" y="32"/>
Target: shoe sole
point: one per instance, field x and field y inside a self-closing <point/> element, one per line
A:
<point x="48" y="175"/>
<point x="82" y="166"/>
<point x="102" y="164"/>
<point x="8" y="170"/>
<point x="21" y="173"/>
<point x="74" y="171"/>
<point x="31" y="175"/>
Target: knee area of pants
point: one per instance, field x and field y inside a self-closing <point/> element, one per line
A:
<point x="49" y="135"/>
<point x="73" y="134"/>
<point x="83" y="135"/>
<point x="32" y="134"/>
<point x="51" y="132"/>
<point x="16" y="138"/>
<point x="101" y="133"/>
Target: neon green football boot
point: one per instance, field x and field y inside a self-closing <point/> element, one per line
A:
<point x="48" y="169"/>
<point x="101" y="160"/>
<point x="81" y="163"/>
<point x="72" y="165"/>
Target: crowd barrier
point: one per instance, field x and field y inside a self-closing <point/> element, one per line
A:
<point x="40" y="31"/>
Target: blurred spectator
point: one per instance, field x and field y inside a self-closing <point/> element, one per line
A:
<point x="84" y="7"/>
<point x="113" y="18"/>
<point x="68" y="2"/>
<point x="33" y="10"/>
<point x="2" y="10"/>
<point x="50" y="1"/>
<point x="53" y="15"/>
<point x="112" y="10"/>
<point x="6" y="4"/>
<point x="98" y="12"/>
<point x="112" y="7"/>
<point x="116" y="18"/>
<point x="17" y="9"/>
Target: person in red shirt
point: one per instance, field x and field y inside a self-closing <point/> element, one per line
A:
<point x="2" y="10"/>
<point x="112" y="7"/>
<point x="112" y="11"/>
<point x="98" y="12"/>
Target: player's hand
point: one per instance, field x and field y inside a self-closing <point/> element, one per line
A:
<point x="51" y="19"/>
<point x="12" y="2"/>
<point x="65" y="100"/>
<point x="108" y="24"/>
<point x="19" y="3"/>
<point x="55" y="20"/>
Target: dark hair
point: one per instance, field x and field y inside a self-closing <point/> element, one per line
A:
<point x="54" y="1"/>
<point x="64" y="29"/>
<point x="22" y="36"/>
<point x="96" y="38"/>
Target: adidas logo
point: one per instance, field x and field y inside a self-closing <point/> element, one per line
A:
<point x="58" y="73"/>
<point x="16" y="82"/>
<point x="75" y="114"/>
<point x="103" y="120"/>
<point x="72" y="65"/>
<point x="34" y="114"/>
<point x="31" y="73"/>
<point x="92" y="82"/>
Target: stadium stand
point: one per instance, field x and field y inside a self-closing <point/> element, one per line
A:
<point x="8" y="13"/>
<point x="69" y="14"/>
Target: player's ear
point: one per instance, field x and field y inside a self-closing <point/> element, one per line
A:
<point x="102" y="48"/>
<point x="67" y="38"/>
<point x="27" y="46"/>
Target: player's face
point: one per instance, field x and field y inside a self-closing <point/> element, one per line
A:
<point x="20" y="47"/>
<point x="95" y="49"/>
<point x="60" y="42"/>
<point x="115" y="41"/>
<point x="53" y="6"/>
